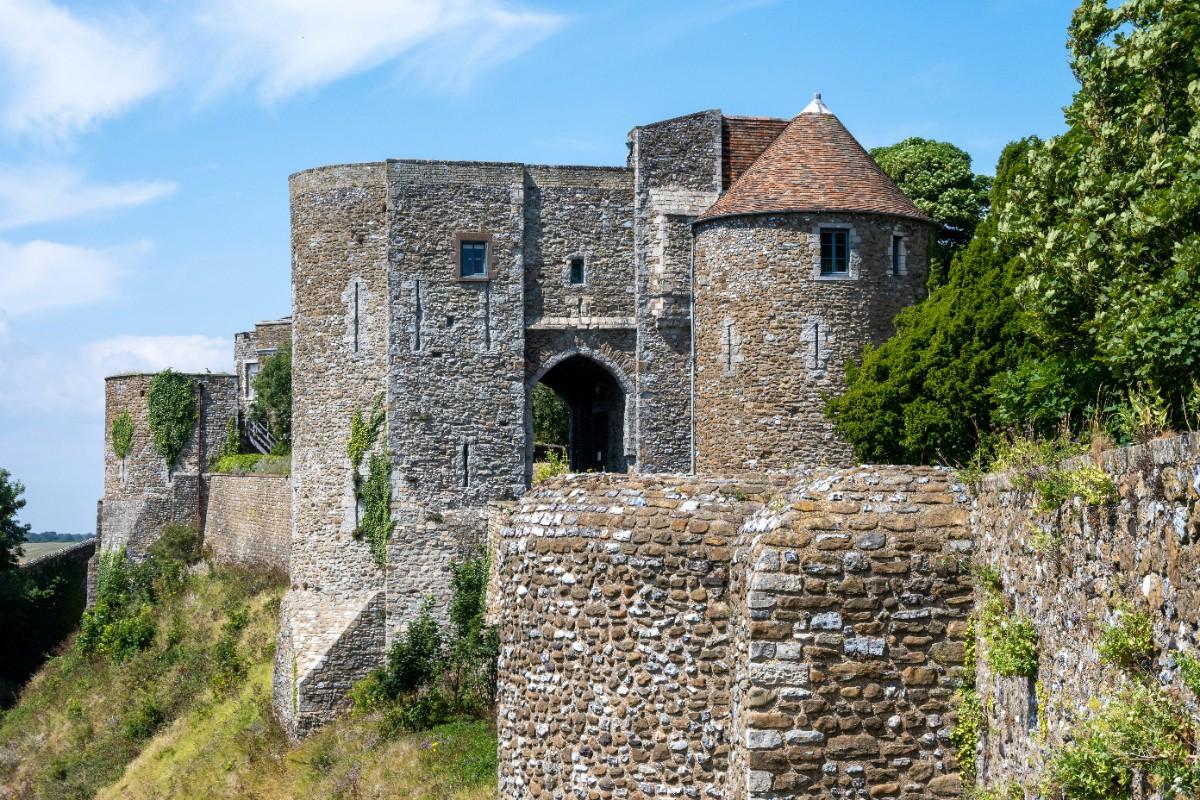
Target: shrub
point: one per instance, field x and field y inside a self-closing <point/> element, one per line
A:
<point x="1143" y="416"/>
<point x="1189" y="672"/>
<point x="427" y="679"/>
<point x="553" y="466"/>
<point x="254" y="463"/>
<point x="1128" y="642"/>
<point x="1010" y="637"/>
<point x="1142" y="729"/>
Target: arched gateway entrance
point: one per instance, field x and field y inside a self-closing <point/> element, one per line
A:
<point x="595" y="400"/>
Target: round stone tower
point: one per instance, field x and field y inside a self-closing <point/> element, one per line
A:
<point x="805" y="259"/>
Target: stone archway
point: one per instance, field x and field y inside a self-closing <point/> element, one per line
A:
<point x="597" y="394"/>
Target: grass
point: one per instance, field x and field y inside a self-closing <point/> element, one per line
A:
<point x="254" y="463"/>
<point x="167" y="724"/>
<point x="34" y="550"/>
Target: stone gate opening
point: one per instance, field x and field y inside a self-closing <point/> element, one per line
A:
<point x="596" y="414"/>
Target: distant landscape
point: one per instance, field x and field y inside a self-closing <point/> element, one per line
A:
<point x="43" y="544"/>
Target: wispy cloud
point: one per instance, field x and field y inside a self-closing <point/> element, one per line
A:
<point x="38" y="382"/>
<point x="283" y="47"/>
<point x="42" y="276"/>
<point x="46" y="193"/>
<point x="61" y="72"/>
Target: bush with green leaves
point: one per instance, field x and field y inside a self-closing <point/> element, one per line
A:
<point x="1010" y="637"/>
<point x="122" y="434"/>
<point x="968" y="709"/>
<point x="1143" y="730"/>
<point x="171" y="406"/>
<point x="432" y="675"/>
<point x="254" y="464"/>
<point x="1129" y="641"/>
<point x="121" y="621"/>
<point x="550" y="416"/>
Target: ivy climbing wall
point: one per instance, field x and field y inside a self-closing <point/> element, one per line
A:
<point x="140" y="493"/>
<point x="1073" y="572"/>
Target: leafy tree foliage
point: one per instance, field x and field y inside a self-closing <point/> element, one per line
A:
<point x="549" y="416"/>
<point x="12" y="533"/>
<point x="937" y="176"/>
<point x="1106" y="223"/>
<point x="924" y="395"/>
<point x="272" y="404"/>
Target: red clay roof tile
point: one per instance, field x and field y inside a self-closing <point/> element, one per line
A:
<point x="815" y="164"/>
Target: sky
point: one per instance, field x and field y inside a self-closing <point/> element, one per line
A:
<point x="145" y="147"/>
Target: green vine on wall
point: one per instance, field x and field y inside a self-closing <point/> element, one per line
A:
<point x="375" y="492"/>
<point x="171" y="403"/>
<point x="377" y="525"/>
<point x="122" y="434"/>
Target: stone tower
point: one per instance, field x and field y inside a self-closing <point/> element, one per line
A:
<point x="805" y="259"/>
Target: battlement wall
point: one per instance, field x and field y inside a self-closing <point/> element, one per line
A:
<point x="763" y="637"/>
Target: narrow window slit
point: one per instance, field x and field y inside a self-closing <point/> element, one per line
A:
<point x="418" y="316"/>
<point x="466" y="464"/>
<point x="356" y="301"/>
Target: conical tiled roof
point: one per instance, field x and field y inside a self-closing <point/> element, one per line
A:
<point x="814" y="165"/>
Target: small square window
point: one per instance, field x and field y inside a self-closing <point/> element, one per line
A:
<point x="897" y="255"/>
<point x="473" y="259"/>
<point x="835" y="252"/>
<point x="576" y="276"/>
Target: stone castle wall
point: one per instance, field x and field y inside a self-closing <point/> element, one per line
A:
<point x="773" y="334"/>
<point x="1069" y="570"/>
<point x="140" y="493"/>
<point x="677" y="175"/>
<point x="339" y="364"/>
<point x="253" y="347"/>
<point x="248" y="520"/>
<point x="793" y="636"/>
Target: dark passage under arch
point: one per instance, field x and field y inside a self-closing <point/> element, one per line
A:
<point x="596" y="414"/>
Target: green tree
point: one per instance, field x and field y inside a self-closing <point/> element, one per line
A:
<point x="12" y="533"/>
<point x="549" y="416"/>
<point x="937" y="176"/>
<point x="926" y="394"/>
<point x="272" y="404"/>
<point x="1106" y="223"/>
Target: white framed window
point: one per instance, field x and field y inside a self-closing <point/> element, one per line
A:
<point x="837" y="245"/>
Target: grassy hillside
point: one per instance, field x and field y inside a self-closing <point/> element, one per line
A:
<point x="189" y="716"/>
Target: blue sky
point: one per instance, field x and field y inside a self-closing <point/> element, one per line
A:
<point x="145" y="147"/>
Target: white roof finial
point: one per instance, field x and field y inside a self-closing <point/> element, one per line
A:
<point x="816" y="106"/>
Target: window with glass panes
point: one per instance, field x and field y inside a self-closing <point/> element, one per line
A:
<point x="473" y="259"/>
<point x="835" y="251"/>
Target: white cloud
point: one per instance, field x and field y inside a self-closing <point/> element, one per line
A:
<point x="33" y="194"/>
<point x="40" y="383"/>
<point x="282" y="47"/>
<point x="62" y="73"/>
<point x="41" y="276"/>
<point x="152" y="353"/>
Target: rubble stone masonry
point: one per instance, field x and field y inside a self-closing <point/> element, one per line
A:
<point x="248" y="520"/>
<point x="1069" y="571"/>
<point x="794" y="636"/>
